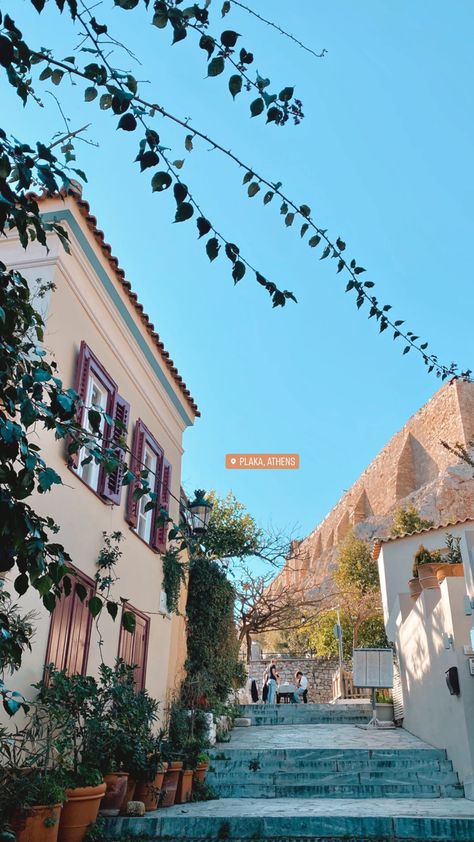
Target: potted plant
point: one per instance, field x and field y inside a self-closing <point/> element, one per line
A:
<point x="171" y="780"/>
<point x="426" y="563"/>
<point x="452" y="564"/>
<point x="71" y="703"/>
<point x="31" y="794"/>
<point x="150" y="770"/>
<point x="201" y="767"/>
<point x="414" y="586"/>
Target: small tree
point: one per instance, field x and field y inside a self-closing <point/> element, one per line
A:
<point x="406" y="521"/>
<point x="357" y="581"/>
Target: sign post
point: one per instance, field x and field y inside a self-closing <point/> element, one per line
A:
<point x="373" y="669"/>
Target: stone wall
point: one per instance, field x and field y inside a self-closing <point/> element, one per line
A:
<point x="319" y="672"/>
<point x="413" y="467"/>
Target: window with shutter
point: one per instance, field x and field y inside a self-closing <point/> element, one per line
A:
<point x="161" y="531"/>
<point x="96" y="388"/>
<point x="70" y="628"/>
<point x="147" y="455"/>
<point x="133" y="646"/>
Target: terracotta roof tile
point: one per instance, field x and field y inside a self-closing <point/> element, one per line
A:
<point x="378" y="543"/>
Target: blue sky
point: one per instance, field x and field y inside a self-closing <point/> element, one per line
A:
<point x="384" y="159"/>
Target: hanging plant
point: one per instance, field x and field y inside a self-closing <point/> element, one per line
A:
<point x="173" y="577"/>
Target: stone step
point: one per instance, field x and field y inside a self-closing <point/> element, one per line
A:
<point x="338" y="790"/>
<point x="422" y="776"/>
<point x="273" y="765"/>
<point x="305" y="820"/>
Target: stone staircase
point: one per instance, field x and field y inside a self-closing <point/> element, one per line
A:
<point x="307" y="773"/>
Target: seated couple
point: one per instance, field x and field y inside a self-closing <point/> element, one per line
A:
<point x="271" y="681"/>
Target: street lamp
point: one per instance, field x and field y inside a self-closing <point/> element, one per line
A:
<point x="200" y="510"/>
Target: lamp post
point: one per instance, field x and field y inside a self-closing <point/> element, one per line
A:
<point x="200" y="510"/>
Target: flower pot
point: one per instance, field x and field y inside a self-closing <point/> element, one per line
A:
<point x="149" y="791"/>
<point x="129" y="795"/>
<point x="200" y="772"/>
<point x="414" y="587"/>
<point x="170" y="783"/>
<point x="79" y="811"/>
<point x="39" y="824"/>
<point x="185" y="785"/>
<point x="449" y="570"/>
<point x="427" y="575"/>
<point x="115" y="793"/>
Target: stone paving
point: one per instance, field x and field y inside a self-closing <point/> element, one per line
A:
<point x="321" y="736"/>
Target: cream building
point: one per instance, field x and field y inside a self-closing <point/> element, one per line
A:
<point x="434" y="634"/>
<point x="106" y="348"/>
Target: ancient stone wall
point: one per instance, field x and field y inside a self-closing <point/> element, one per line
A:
<point x="319" y="672"/>
<point x="413" y="467"/>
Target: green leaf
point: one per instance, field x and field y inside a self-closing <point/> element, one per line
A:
<point x="90" y="94"/>
<point x="268" y="197"/>
<point x="184" y="211"/>
<point x="47" y="478"/>
<point x="369" y="284"/>
<point x="216" y="66"/>
<point x="406" y="349"/>
<point x="56" y="76"/>
<point x="180" y="191"/>
<point x="286" y="94"/>
<point x="225" y="8"/>
<point x="45" y="74"/>
<point x="304" y="229"/>
<point x="179" y="33"/>
<point x="399" y="322"/>
<point x="204" y="226"/>
<point x="229" y="38"/>
<point x="358" y="270"/>
<point x="81" y="591"/>
<point x="105" y="101"/>
<point x="188" y="142"/>
<point x="112" y="608"/>
<point x="340" y="244"/>
<point x="160" y="18"/>
<point x="289" y="219"/>
<point x="257" y="106"/>
<point x="128" y="621"/>
<point x="235" y="84"/>
<point x="305" y="210"/>
<point x="207" y="43"/>
<point x="179" y="164"/>
<point x="247" y="177"/>
<point x="313" y="241"/>
<point x="127" y="122"/>
<point x="283" y="208"/>
<point x="95" y="605"/>
<point x="238" y="271"/>
<point x="49" y="602"/>
<point x="149" y="159"/>
<point x="212" y="248"/>
<point x="253" y="189"/>
<point x="325" y="253"/>
<point x="232" y="251"/>
<point x="160" y="181"/>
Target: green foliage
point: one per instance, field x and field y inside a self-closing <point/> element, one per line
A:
<point x="318" y="634"/>
<point x="424" y="556"/>
<point x="16" y="632"/>
<point x="213" y="665"/>
<point x="232" y="531"/>
<point x="407" y="520"/>
<point x="356" y="569"/>
<point x="173" y="577"/>
<point x="453" y="556"/>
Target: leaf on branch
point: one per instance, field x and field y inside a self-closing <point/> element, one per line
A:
<point x="225" y="8"/>
<point x="148" y="159"/>
<point x="180" y="191"/>
<point x="179" y="34"/>
<point x="184" y="211"/>
<point x="369" y="284"/>
<point x="56" y="76"/>
<point x="90" y="94"/>
<point x="253" y="189"/>
<point x="128" y="621"/>
<point x="286" y="94"/>
<point x="127" y="122"/>
<point x="257" y="106"/>
<point x="6" y="51"/>
<point x="268" y="197"/>
<point x="274" y="115"/>
<point x="160" y="181"/>
<point x="313" y="241"/>
<point x="232" y="251"/>
<point x="212" y="248"/>
<point x="216" y="66"/>
<point x="207" y="43"/>
<point x="325" y="253"/>
<point x="235" y="84"/>
<point x="305" y="210"/>
<point x="289" y="219"/>
<point x="47" y="478"/>
<point x="112" y="608"/>
<point x="238" y="271"/>
<point x="160" y="18"/>
<point x="179" y="164"/>
<point x="204" y="226"/>
<point x="95" y="605"/>
<point x="247" y="177"/>
<point x="45" y="74"/>
<point x="188" y="143"/>
<point x="304" y="229"/>
<point x="340" y="244"/>
<point x="229" y="38"/>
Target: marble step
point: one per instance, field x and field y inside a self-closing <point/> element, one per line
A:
<point x="305" y="820"/>
<point x="337" y="790"/>
<point x="422" y="776"/>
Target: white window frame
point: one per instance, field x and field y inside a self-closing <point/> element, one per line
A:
<point x="90" y="472"/>
<point x="145" y="519"/>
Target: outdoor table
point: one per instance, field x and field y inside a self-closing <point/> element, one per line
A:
<point x="285" y="693"/>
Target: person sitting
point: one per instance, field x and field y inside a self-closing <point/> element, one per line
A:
<point x="301" y="691"/>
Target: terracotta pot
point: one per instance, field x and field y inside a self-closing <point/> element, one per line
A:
<point x="39" y="824"/>
<point x="200" y="772"/>
<point x="170" y="783"/>
<point x="414" y="587"/>
<point x="115" y="793"/>
<point x="129" y="795"/>
<point x="185" y="785"/>
<point x="79" y="811"/>
<point x="427" y="575"/>
<point x="149" y="791"/>
<point x="449" y="570"/>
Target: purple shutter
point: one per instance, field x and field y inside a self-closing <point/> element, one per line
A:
<point x="80" y="386"/>
<point x="112" y="483"/>
<point x="70" y="628"/>
<point x="161" y="533"/>
<point x="135" y="466"/>
<point x="133" y="646"/>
